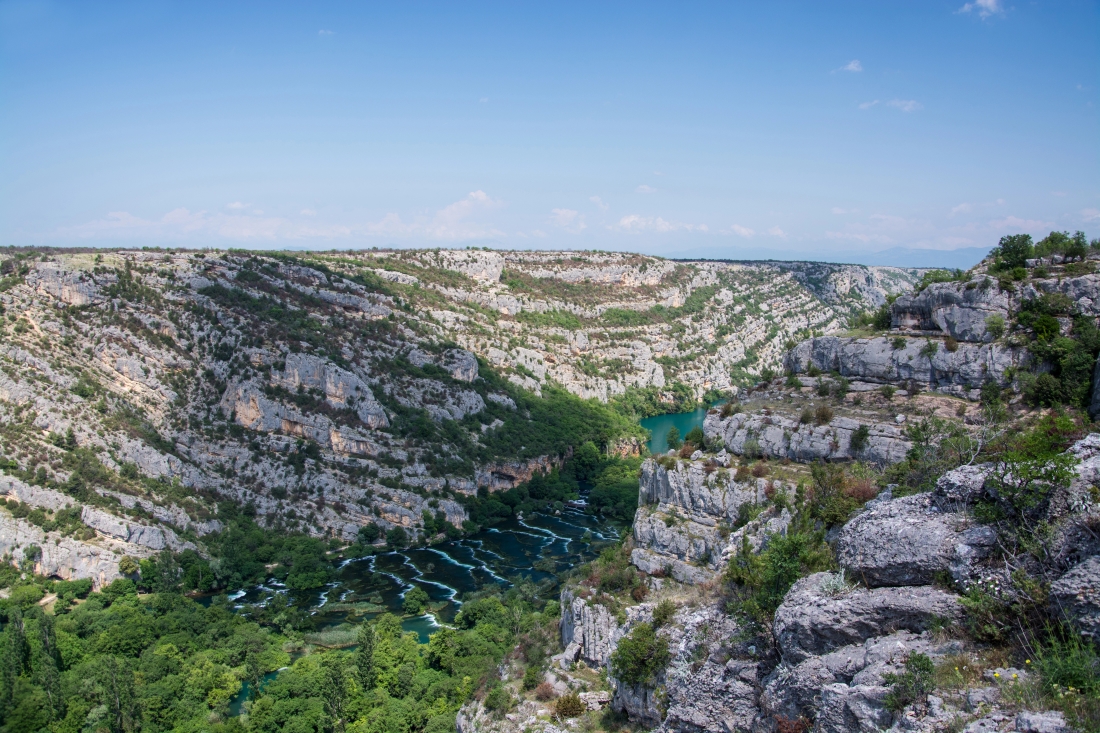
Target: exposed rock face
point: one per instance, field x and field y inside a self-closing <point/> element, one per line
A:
<point x="461" y="364"/>
<point x="65" y="557"/>
<point x="875" y="360"/>
<point x="1077" y="596"/>
<point x="587" y="631"/>
<point x="509" y="474"/>
<point x="908" y="541"/>
<point x="71" y="287"/>
<point x="957" y="309"/>
<point x="810" y="622"/>
<point x="683" y="524"/>
<point x="776" y="436"/>
<point x="1084" y="291"/>
<point x="155" y="538"/>
<point x="342" y="389"/>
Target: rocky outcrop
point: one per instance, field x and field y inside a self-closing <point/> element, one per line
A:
<point x="1083" y="291"/>
<point x="155" y="538"/>
<point x="342" y="389"/>
<point x="812" y="621"/>
<point x="459" y="363"/>
<point x="958" y="372"/>
<point x="65" y="557"/>
<point x="588" y="631"/>
<point x="1077" y="596"/>
<point x="908" y="541"/>
<point x="957" y="309"/>
<point x="776" y="436"/>
<point x="683" y="526"/>
<point x="253" y="409"/>
<point x="72" y="287"/>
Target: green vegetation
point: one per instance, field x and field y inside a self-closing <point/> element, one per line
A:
<point x="121" y="662"/>
<point x="913" y="685"/>
<point x="640" y="656"/>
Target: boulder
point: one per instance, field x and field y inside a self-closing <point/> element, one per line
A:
<point x="811" y="622"/>
<point x="792" y="692"/>
<point x="1050" y="721"/>
<point x="845" y="709"/>
<point x="908" y="541"/>
<point x="1094" y="405"/>
<point x="961" y="486"/>
<point x="1077" y="595"/>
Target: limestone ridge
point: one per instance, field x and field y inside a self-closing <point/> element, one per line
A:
<point x="275" y="381"/>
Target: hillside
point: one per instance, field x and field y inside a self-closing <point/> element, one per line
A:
<point x="329" y="392"/>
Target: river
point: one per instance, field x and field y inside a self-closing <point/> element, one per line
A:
<point x="534" y="548"/>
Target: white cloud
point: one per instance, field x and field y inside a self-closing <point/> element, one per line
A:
<point x="598" y="202"/>
<point x="1090" y="214"/>
<point x="984" y="8"/>
<point x="852" y="65"/>
<point x="742" y="231"/>
<point x="324" y="32"/>
<point x="838" y="210"/>
<point x="638" y="223"/>
<point x="645" y="189"/>
<point x="568" y="219"/>
<point x="308" y="212"/>
<point x="237" y="205"/>
<point x="1016" y="223"/>
<point x="868" y="105"/>
<point x="905" y="105"/>
<point x="776" y="232"/>
<point x="963" y="208"/>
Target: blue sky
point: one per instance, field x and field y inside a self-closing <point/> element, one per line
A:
<point x="832" y="130"/>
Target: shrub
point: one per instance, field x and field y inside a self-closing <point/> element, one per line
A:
<point x="639" y="593"/>
<point x="532" y="677"/>
<point x="897" y="343"/>
<point x="995" y="325"/>
<point x="640" y="656"/>
<point x="887" y="391"/>
<point x="913" y="685"/>
<point x="841" y="387"/>
<point x="695" y="437"/>
<point x="991" y="394"/>
<point x="807" y="416"/>
<point x="663" y="613"/>
<point x="498" y="699"/>
<point x="569" y="706"/>
<point x="822" y="388"/>
<point x="128" y="565"/>
<point x="859" y="438"/>
<point x="732" y="407"/>
<point x="742" y="473"/>
<point x="544" y="692"/>
<point x="823" y="414"/>
<point x="951" y="344"/>
<point x="930" y="349"/>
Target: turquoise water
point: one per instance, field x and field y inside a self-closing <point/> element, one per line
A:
<point x="499" y="556"/>
<point x="682" y="421"/>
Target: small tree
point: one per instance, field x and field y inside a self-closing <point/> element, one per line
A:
<point x="672" y="437"/>
<point x="995" y="325"/>
<point x="1013" y="251"/>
